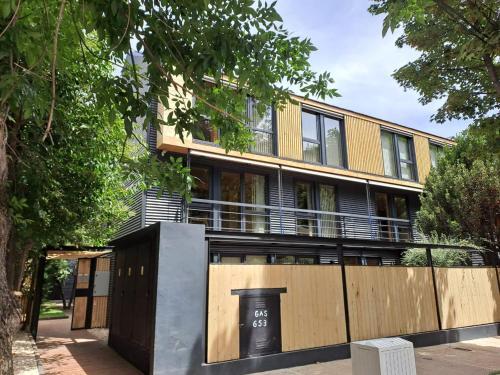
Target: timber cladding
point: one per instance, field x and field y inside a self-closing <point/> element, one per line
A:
<point x="390" y="301"/>
<point x="423" y="157"/>
<point x="312" y="309"/>
<point x="467" y="296"/>
<point x="364" y="145"/>
<point x="289" y="129"/>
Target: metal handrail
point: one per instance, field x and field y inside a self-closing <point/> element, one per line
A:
<point x="289" y="209"/>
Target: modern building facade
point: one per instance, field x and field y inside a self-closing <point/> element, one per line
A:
<point x="315" y="170"/>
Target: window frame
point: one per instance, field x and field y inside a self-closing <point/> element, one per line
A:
<point x="315" y="201"/>
<point x="321" y="141"/>
<point x="272" y="132"/>
<point x="395" y="150"/>
<point x="438" y="146"/>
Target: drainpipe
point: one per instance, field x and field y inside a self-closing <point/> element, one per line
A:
<point x="370" y="220"/>
<point x="185" y="207"/>
<point x="280" y="198"/>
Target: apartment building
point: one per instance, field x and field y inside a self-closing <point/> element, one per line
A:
<point x="315" y="171"/>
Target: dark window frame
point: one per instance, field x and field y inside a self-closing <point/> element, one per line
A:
<point x="437" y="145"/>
<point x="315" y="200"/>
<point x="217" y="192"/>
<point x="395" y="150"/>
<point x="273" y="132"/>
<point x="321" y="141"/>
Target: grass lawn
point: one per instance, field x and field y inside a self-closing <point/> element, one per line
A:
<point x="495" y="372"/>
<point x="50" y="310"/>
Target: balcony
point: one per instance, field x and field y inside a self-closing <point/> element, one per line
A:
<point x="263" y="219"/>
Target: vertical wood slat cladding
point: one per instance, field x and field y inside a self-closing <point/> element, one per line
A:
<point x="423" y="157"/>
<point x="289" y="131"/>
<point x="79" y="312"/>
<point x="364" y="148"/>
<point x="83" y="274"/>
<point x="390" y="301"/>
<point x="100" y="303"/>
<point x="467" y="296"/>
<point x="99" y="312"/>
<point x="312" y="309"/>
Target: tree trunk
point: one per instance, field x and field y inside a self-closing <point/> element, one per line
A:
<point x="16" y="260"/>
<point x="7" y="304"/>
<point x="492" y="72"/>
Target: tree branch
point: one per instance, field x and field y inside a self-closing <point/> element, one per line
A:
<point x="12" y="19"/>
<point x="53" y="70"/>
<point x="492" y="72"/>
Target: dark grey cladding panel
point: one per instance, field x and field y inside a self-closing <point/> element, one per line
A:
<point x="180" y="300"/>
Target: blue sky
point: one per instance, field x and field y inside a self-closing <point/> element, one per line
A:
<point x="351" y="47"/>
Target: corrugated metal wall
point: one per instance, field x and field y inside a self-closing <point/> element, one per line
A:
<point x="135" y="222"/>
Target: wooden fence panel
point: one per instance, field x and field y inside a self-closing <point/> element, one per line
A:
<point x="389" y="301"/>
<point x="312" y="309"/>
<point x="467" y="296"/>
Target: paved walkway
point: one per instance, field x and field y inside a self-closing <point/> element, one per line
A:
<point x="25" y="354"/>
<point x="474" y="357"/>
<point x="79" y="352"/>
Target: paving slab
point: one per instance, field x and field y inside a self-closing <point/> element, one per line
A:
<point x="78" y="352"/>
<point x="474" y="357"/>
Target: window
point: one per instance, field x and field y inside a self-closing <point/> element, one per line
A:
<point x="327" y="202"/>
<point x="205" y="132"/>
<point x="255" y="193"/>
<point x="307" y="222"/>
<point x="230" y="188"/>
<point x="310" y="137"/>
<point x="243" y="188"/>
<point x="435" y="152"/>
<point x="304" y="201"/>
<point x="261" y="123"/>
<point x="295" y="259"/>
<point x="262" y="127"/>
<point x="397" y="152"/>
<point x="392" y="207"/>
<point x="200" y="212"/>
<point x="322" y="139"/>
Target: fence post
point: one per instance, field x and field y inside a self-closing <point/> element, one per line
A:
<point x="340" y="256"/>
<point x="495" y="266"/>
<point x="428" y="252"/>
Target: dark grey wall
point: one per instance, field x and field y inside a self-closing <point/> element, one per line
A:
<point x="180" y="301"/>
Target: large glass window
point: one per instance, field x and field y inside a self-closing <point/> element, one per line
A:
<point x="322" y="139"/>
<point x="243" y="188"/>
<point x="230" y="187"/>
<point x="255" y="194"/>
<point x="392" y="207"/>
<point x="397" y="152"/>
<point x="327" y="201"/>
<point x="388" y="153"/>
<point x="304" y="201"/>
<point x="200" y="212"/>
<point x="310" y="137"/>
<point x="435" y="152"/>
<point x="261" y="123"/>
<point x="333" y="142"/>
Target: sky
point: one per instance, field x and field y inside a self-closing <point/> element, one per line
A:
<point x="351" y="47"/>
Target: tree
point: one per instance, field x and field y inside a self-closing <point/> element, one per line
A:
<point x="440" y="257"/>
<point x="71" y="190"/>
<point x="459" y="43"/>
<point x="182" y="41"/>
<point x="56" y="273"/>
<point x="461" y="196"/>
